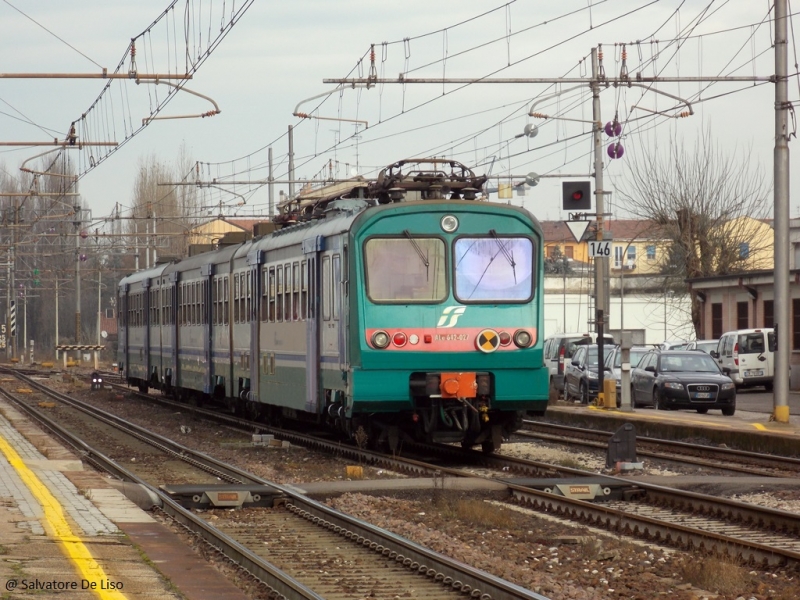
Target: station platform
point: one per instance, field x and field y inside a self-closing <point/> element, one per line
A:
<point x="69" y="531"/>
<point x="744" y="430"/>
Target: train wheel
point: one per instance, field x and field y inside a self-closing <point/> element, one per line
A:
<point x="493" y="443"/>
<point x="143" y="387"/>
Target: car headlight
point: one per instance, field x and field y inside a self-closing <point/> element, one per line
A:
<point x="673" y="385"/>
<point x="727" y="386"/>
<point x="591" y="375"/>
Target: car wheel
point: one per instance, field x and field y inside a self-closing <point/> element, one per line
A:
<point x="702" y="411"/>
<point x="584" y="394"/>
<point x="658" y="400"/>
<point x="729" y="410"/>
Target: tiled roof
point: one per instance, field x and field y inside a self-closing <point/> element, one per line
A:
<point x="621" y="229"/>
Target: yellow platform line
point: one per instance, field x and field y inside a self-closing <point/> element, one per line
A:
<point x="56" y="525"/>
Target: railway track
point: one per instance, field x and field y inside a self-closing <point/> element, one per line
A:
<point x="298" y="548"/>
<point x="711" y="457"/>
<point x="662" y="515"/>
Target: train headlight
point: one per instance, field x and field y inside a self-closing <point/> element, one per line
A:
<point x="449" y="223"/>
<point x="380" y="339"/>
<point x="522" y="338"/>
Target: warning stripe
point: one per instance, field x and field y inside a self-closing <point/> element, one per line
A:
<point x="57" y="525"/>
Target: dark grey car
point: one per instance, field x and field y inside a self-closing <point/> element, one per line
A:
<point x="673" y="379"/>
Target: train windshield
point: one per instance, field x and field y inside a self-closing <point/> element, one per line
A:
<point x="493" y="269"/>
<point x="406" y="269"/>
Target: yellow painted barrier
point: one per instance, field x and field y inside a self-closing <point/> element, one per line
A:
<point x="355" y="472"/>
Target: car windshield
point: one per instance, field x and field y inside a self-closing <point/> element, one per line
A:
<point x="707" y="346"/>
<point x="494" y="269"/>
<point x="406" y="269"/>
<point x="636" y="356"/>
<point x="591" y="359"/>
<point x="688" y="363"/>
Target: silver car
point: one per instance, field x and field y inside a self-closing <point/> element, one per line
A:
<point x="614" y="363"/>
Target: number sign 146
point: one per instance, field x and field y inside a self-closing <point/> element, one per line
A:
<point x="599" y="249"/>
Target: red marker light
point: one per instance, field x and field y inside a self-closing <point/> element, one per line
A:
<point x="399" y="339"/>
<point x="428" y="338"/>
<point x="505" y="338"/>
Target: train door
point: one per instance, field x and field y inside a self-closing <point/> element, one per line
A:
<point x="330" y="310"/>
<point x="310" y="299"/>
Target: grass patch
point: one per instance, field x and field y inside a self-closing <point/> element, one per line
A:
<point x="475" y="512"/>
<point x="716" y="574"/>
<point x="570" y="463"/>
<point x="3" y="549"/>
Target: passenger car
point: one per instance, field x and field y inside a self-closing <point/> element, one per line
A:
<point x="559" y="349"/>
<point x="748" y="356"/>
<point x="706" y="346"/>
<point x="673" y="379"/>
<point x="581" y="379"/>
<point x="614" y="364"/>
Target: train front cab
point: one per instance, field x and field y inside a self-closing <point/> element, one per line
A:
<point x="446" y="327"/>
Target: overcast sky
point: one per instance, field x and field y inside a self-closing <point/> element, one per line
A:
<point x="278" y="54"/>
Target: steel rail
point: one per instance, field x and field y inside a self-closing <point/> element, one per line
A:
<point x="442" y="569"/>
<point x="766" y="519"/>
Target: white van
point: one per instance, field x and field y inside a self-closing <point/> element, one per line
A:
<point x="558" y="350"/>
<point x="747" y="356"/>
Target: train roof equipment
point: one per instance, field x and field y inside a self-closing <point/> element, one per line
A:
<point x="409" y="179"/>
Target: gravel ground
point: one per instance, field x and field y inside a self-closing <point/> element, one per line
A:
<point x="538" y="552"/>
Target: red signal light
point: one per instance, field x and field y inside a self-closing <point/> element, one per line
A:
<point x="577" y="195"/>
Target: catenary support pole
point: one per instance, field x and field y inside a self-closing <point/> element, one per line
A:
<point x="781" y="215"/>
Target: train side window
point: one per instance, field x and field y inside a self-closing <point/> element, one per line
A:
<point x="271" y="291"/>
<point x="203" y="307"/>
<point x="214" y="300"/>
<point x="244" y="313"/>
<point x="279" y="294"/>
<point x="248" y="313"/>
<point x="296" y="292"/>
<point x="336" y="288"/>
<point x="264" y="294"/>
<point x="287" y="292"/>
<point x="235" y="297"/>
<point x="226" y="300"/>
<point x="326" y="288"/>
<point x="304" y="290"/>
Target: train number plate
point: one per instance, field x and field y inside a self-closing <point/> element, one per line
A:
<point x="702" y="395"/>
<point x="754" y="373"/>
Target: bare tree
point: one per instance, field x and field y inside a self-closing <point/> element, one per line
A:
<point x="707" y="206"/>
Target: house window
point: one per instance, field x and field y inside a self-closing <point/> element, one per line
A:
<point x="744" y="250"/>
<point x="651" y="252"/>
<point x="769" y="313"/>
<point x="742" y="315"/>
<point x="618" y="252"/>
<point x="716" y="320"/>
<point x="568" y="251"/>
<point x="551" y="250"/>
<point x="631" y="255"/>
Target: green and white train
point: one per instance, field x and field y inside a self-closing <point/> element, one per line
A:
<point x="393" y="309"/>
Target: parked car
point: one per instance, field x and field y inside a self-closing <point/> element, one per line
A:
<point x="581" y="379"/>
<point x="706" y="346"/>
<point x="748" y="356"/>
<point x="673" y="379"/>
<point x="559" y="349"/>
<point x="614" y="364"/>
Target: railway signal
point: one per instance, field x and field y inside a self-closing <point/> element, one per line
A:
<point x="576" y="195"/>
